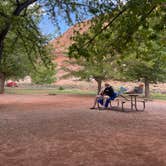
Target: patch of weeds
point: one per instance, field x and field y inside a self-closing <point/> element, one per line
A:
<point x="60" y="88"/>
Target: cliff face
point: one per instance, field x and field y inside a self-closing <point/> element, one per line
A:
<point x="62" y="43"/>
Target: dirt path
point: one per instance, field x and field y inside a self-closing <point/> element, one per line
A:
<point x="61" y="131"/>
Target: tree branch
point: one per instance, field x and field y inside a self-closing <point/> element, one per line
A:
<point x="105" y="27"/>
<point x="16" y="12"/>
<point x="18" y="2"/>
<point x="22" y="6"/>
<point x="111" y="22"/>
<point x="147" y="14"/>
<point x="139" y="22"/>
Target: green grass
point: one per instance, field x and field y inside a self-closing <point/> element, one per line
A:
<point x="47" y="91"/>
<point x="158" y="96"/>
<point x="54" y="91"/>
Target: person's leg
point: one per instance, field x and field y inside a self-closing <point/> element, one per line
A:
<point x="95" y="101"/>
<point x="106" y="101"/>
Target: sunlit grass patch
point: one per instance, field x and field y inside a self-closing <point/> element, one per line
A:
<point x="53" y="91"/>
<point x="159" y="96"/>
<point x="48" y="91"/>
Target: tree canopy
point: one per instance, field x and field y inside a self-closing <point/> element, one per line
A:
<point x="120" y="20"/>
<point x="24" y="48"/>
<point x="135" y="40"/>
<point x="145" y="57"/>
<point x="132" y="12"/>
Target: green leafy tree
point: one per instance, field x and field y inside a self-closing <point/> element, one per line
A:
<point x="43" y="75"/>
<point x="95" y="68"/>
<point x="96" y="60"/>
<point x="97" y="51"/>
<point x="137" y="25"/>
<point x="124" y="20"/>
<point x="24" y="47"/>
<point x="19" y="62"/>
<point x="145" y="58"/>
<point x="12" y="13"/>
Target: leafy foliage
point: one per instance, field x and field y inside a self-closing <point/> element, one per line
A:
<point x="43" y="75"/>
<point x="24" y="47"/>
<point x="146" y="55"/>
<point x="122" y="21"/>
<point x="96" y="60"/>
<point x="135" y="42"/>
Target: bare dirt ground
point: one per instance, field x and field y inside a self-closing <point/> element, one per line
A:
<point x="61" y="130"/>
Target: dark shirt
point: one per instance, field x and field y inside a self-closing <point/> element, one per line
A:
<point x="108" y="91"/>
<point x="138" y="89"/>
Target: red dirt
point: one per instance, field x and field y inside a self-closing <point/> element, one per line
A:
<point x="61" y="130"/>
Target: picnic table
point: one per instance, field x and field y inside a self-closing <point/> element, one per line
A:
<point x="133" y="99"/>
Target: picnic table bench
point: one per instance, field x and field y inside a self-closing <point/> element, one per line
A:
<point x="132" y="99"/>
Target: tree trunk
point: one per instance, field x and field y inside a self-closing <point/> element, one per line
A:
<point x="19" y="8"/>
<point x="2" y="82"/>
<point x="2" y="38"/>
<point x="147" y="89"/>
<point x="1" y="49"/>
<point x="99" y="81"/>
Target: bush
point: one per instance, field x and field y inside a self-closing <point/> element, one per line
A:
<point x="61" y="88"/>
<point x="43" y="76"/>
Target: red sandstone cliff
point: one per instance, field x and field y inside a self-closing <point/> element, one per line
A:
<point x="62" y="43"/>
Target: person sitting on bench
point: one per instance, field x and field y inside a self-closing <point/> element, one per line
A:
<point x="137" y="89"/>
<point x="105" y="96"/>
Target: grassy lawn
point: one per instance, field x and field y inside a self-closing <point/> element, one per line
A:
<point x="47" y="91"/>
<point x="158" y="96"/>
<point x="54" y="91"/>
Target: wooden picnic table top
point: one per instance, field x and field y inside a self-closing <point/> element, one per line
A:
<point x="133" y="94"/>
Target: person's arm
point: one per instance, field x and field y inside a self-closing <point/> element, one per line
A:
<point x="130" y="91"/>
<point x="101" y="93"/>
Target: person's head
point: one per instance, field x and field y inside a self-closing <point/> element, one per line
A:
<point x="106" y="84"/>
<point x="141" y="85"/>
